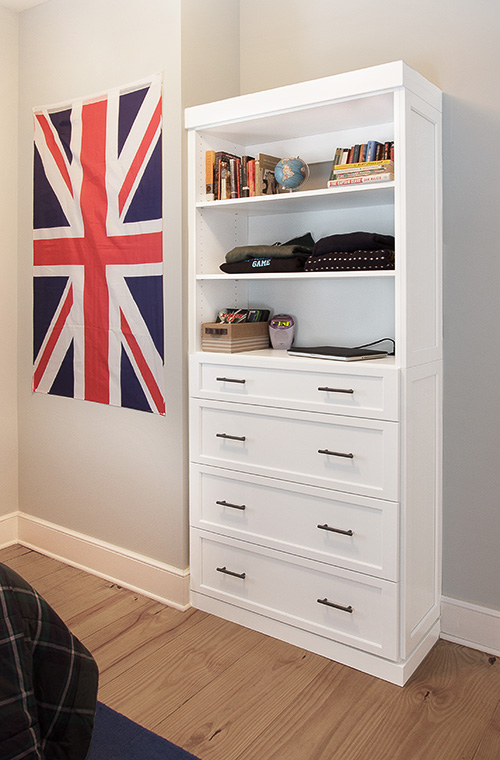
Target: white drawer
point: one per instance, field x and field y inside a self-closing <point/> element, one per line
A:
<point x="349" y="531"/>
<point x="365" y="392"/>
<point x="288" y="589"/>
<point x="345" y="453"/>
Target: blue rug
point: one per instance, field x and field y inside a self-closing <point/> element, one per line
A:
<point x="116" y="737"/>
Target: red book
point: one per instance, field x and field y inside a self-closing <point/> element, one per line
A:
<point x="251" y="177"/>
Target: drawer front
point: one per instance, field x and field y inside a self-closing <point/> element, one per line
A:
<point x="357" y="610"/>
<point x="349" y="531"/>
<point x="344" y="453"/>
<point x="360" y="394"/>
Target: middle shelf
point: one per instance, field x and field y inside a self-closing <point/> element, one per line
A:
<point x="298" y="275"/>
<point x="356" y="196"/>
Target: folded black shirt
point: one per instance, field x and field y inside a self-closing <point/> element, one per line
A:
<point x="243" y="252"/>
<point x="337" y="261"/>
<point x="352" y="241"/>
<point x="266" y="264"/>
<point x="298" y="245"/>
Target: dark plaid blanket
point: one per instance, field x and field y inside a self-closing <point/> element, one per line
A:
<point x="48" y="680"/>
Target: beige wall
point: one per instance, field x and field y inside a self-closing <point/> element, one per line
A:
<point x="116" y="475"/>
<point x="8" y="259"/>
<point x="210" y="50"/>
<point x="455" y="44"/>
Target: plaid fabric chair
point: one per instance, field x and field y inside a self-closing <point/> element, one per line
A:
<point x="48" y="679"/>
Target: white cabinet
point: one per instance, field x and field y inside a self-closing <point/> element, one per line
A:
<point x="315" y="484"/>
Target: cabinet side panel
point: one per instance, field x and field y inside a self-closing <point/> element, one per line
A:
<point x="421" y="502"/>
<point x="421" y="240"/>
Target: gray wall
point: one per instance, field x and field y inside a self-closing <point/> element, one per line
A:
<point x="455" y="44"/>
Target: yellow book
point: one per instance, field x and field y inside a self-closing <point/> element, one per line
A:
<point x="209" y="175"/>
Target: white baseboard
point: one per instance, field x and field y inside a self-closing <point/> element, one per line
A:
<point x="470" y="625"/>
<point x="133" y="571"/>
<point x="8" y="529"/>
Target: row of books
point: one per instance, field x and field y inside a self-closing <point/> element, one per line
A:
<point x="231" y="176"/>
<point x="361" y="163"/>
<point x="364" y="152"/>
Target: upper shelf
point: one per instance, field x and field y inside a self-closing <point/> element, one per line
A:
<point x="355" y="196"/>
<point x="340" y="101"/>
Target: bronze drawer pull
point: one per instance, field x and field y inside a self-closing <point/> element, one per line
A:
<point x="336" y="606"/>
<point x="335" y="390"/>
<point x="336" y="530"/>
<point x="230" y="380"/>
<point x="335" y="453"/>
<point x="228" y="504"/>
<point x="230" y="437"/>
<point x="230" y="572"/>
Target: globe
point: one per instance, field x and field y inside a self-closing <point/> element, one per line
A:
<point x="291" y="172"/>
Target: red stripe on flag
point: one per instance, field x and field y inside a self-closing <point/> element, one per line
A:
<point x="139" y="158"/>
<point x="54" y="149"/>
<point x="54" y="337"/>
<point x="95" y="244"/>
<point x="142" y="365"/>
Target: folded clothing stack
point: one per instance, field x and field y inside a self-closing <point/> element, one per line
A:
<point x="352" y="251"/>
<point x="287" y="257"/>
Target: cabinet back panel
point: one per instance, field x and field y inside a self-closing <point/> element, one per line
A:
<point x="331" y="312"/>
<point x="282" y="227"/>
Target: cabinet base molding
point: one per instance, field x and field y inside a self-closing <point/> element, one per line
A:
<point x="397" y="673"/>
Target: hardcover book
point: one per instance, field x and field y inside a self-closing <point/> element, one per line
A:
<point x="359" y="180"/>
<point x="265" y="182"/>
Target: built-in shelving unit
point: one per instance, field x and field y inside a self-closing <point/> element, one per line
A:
<point x="315" y="485"/>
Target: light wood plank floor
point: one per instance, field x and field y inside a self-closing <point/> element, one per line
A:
<point x="226" y="693"/>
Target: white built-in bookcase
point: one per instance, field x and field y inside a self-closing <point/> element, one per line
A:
<point x="312" y="119"/>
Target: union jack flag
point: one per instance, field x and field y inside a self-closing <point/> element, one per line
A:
<point x="98" y="287"/>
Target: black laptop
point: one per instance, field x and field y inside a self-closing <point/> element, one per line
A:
<point x="338" y="353"/>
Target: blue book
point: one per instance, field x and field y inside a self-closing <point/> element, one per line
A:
<point x="371" y="150"/>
